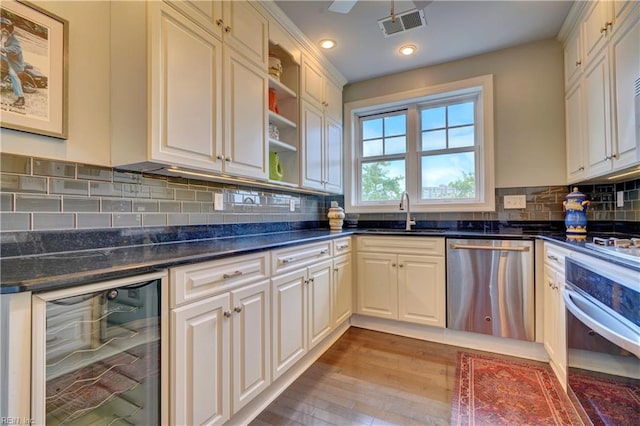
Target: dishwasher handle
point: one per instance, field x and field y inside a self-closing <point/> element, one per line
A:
<point x="491" y="248"/>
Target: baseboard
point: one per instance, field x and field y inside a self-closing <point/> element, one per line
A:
<point x="260" y="402"/>
<point x="511" y="347"/>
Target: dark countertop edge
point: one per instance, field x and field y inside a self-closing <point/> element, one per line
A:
<point x="88" y="277"/>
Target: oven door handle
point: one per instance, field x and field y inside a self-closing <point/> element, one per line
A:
<point x="602" y="322"/>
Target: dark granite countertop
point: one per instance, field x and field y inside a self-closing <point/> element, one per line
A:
<point x="36" y="272"/>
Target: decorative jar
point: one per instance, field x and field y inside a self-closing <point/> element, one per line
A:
<point x="575" y="206"/>
<point x="336" y="216"/>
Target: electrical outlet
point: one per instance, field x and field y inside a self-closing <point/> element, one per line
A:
<point x="292" y="205"/>
<point x="620" y="198"/>
<point x="515" y="201"/>
<point x="218" y="201"/>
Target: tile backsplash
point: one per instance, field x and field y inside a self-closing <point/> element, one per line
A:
<point x="42" y="194"/>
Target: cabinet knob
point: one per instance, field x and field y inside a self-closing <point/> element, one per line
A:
<point x="220" y="157"/>
<point x="238" y="309"/>
<point x="393" y="265"/>
<point x="603" y="30"/>
<point x="581" y="168"/>
<point x="609" y="24"/>
<point x="227" y="29"/>
<point x="401" y="265"/>
<point x="578" y="63"/>
<point x="219" y="22"/>
<point x="227" y="159"/>
<point x="227" y="314"/>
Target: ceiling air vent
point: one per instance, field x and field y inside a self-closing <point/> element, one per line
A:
<point x="404" y="21"/>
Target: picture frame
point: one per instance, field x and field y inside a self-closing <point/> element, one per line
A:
<point x="41" y="51"/>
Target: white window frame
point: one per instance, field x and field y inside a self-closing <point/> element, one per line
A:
<point x="482" y="86"/>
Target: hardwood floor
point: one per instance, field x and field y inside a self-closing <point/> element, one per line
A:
<point x="371" y="378"/>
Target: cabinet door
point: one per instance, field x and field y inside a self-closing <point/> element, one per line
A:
<point x="200" y="362"/>
<point x="572" y="58"/>
<point x="377" y="293"/>
<point x="289" y="332"/>
<point x="251" y="342"/>
<point x="333" y="101"/>
<point x="555" y="324"/>
<point x="596" y="28"/>
<point x="342" y="289"/>
<point x="421" y="290"/>
<point x="333" y="156"/>
<point x="186" y="89"/>
<point x="625" y="50"/>
<point x="312" y="150"/>
<point x="246" y="31"/>
<point x="598" y="117"/>
<point x="245" y="146"/>
<point x="574" y="131"/>
<point x="319" y="318"/>
<point x="312" y="82"/>
<point x="206" y="13"/>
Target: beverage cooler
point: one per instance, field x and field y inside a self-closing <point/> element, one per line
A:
<point x="99" y="353"/>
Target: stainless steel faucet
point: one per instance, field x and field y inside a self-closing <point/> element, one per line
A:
<point x="410" y="221"/>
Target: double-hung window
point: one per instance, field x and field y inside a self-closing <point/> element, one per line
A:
<point x="435" y="143"/>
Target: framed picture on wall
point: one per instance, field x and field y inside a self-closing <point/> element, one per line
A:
<point x="33" y="79"/>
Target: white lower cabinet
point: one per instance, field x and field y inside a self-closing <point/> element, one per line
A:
<point x="402" y="286"/>
<point x="220" y="338"/>
<point x="301" y="313"/>
<point x="200" y="359"/>
<point x="555" y="340"/>
<point x="342" y="305"/>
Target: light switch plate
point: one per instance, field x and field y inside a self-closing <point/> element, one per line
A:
<point x="620" y="198"/>
<point x="515" y="201"/>
<point x="292" y="205"/>
<point x="218" y="201"/>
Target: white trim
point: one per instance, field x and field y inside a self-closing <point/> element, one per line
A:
<point x="446" y="90"/>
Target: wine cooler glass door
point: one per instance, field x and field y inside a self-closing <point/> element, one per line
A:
<point x="101" y="353"/>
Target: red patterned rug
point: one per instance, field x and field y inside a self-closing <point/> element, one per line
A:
<point x="607" y="401"/>
<point x="492" y="391"/>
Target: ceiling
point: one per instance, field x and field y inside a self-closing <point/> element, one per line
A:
<point x="455" y="30"/>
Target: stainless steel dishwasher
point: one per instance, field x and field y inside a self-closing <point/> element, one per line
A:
<point x="490" y="287"/>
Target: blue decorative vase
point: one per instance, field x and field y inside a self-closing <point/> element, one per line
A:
<point x="575" y="207"/>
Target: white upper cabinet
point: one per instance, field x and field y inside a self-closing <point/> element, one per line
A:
<point x="321" y="130"/>
<point x="599" y="98"/>
<point x="192" y="66"/>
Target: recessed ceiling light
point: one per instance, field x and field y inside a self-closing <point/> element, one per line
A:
<point x="408" y="49"/>
<point x="327" y="44"/>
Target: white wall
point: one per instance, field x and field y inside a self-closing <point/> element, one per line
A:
<point x="528" y="107"/>
<point x="88" y="140"/>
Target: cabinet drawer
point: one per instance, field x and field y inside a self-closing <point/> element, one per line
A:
<point x="415" y="245"/>
<point x="341" y="246"/>
<point x="295" y="257"/>
<point x="204" y="279"/>
<point x="554" y="256"/>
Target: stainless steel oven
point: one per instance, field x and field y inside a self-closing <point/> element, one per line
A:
<point x="602" y="300"/>
<point x="99" y="353"/>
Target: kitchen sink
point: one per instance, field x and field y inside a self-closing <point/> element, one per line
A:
<point x="393" y="231"/>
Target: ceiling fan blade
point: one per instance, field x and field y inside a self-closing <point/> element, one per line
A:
<point x="342" y="6"/>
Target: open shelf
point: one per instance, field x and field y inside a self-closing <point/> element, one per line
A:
<point x="281" y="121"/>
<point x="282" y="91"/>
<point x="276" y="145"/>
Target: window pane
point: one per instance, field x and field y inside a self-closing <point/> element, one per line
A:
<point x="460" y="114"/>
<point x="383" y="180"/>
<point x="395" y="145"/>
<point x="372" y="147"/>
<point x="395" y="125"/>
<point x="372" y="128"/>
<point x="448" y="176"/>
<point x="461" y="137"/>
<point x="433" y="118"/>
<point x="435" y="139"/>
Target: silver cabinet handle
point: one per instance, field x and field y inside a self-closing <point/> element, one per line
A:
<point x="235" y="274"/>
<point x="342" y="247"/>
<point x="288" y="259"/>
<point x="475" y="247"/>
<point x="552" y="257"/>
<point x="325" y="251"/>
